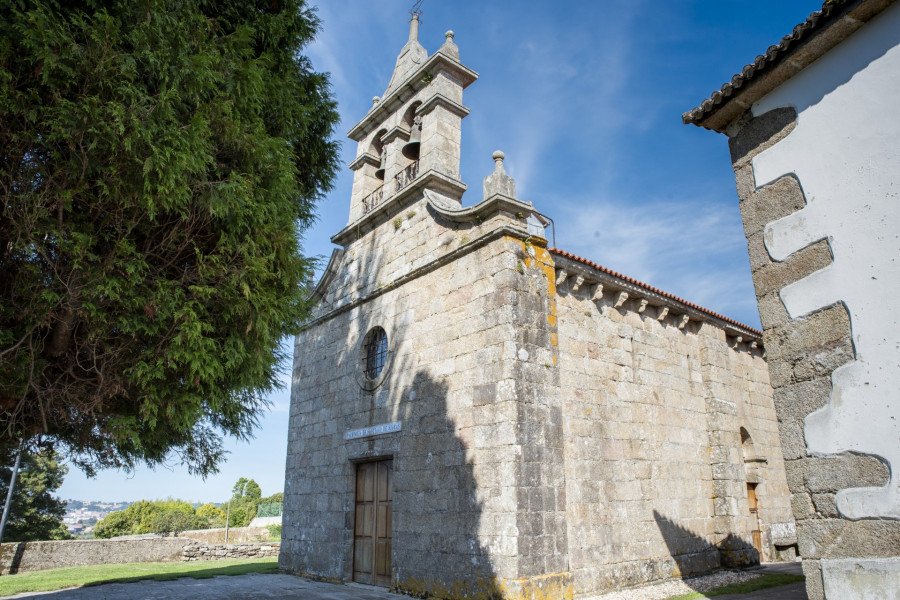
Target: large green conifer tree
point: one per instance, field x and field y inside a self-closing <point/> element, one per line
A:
<point x="158" y="162"/>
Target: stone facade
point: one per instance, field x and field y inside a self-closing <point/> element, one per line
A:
<point x="554" y="429"/>
<point x="813" y="138"/>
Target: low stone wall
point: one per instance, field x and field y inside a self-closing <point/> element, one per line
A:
<point x="236" y="535"/>
<point x="21" y="557"/>
<point x="223" y="551"/>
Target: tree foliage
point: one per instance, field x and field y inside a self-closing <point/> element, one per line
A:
<point x="35" y="514"/>
<point x="253" y="490"/>
<point x="173" y="523"/>
<point x="174" y="516"/>
<point x="212" y="515"/>
<point x="150" y="516"/>
<point x="242" y="512"/>
<point x="247" y="488"/>
<point x="276" y="498"/>
<point x="113" y="525"/>
<point x="244" y="503"/>
<point x="158" y="163"/>
<point x="237" y="491"/>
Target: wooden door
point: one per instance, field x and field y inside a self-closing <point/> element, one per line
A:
<point x="754" y="518"/>
<point x="372" y="531"/>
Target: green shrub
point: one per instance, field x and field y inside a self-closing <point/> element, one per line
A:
<point x="175" y="522"/>
<point x="274" y="533"/>
<point x="212" y="514"/>
<point x="140" y="517"/>
<point x="112" y="525"/>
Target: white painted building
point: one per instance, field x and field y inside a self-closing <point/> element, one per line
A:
<point x="822" y="108"/>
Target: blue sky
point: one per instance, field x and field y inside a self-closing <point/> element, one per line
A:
<point x="585" y="99"/>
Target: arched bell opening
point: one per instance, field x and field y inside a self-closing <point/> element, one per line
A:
<point x="411" y="148"/>
<point x="377" y="148"/>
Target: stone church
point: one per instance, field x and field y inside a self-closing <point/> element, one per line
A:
<point x="476" y="414"/>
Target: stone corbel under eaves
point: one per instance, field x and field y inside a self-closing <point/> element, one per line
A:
<point x="599" y="284"/>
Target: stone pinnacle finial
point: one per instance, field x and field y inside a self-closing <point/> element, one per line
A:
<point x="375" y="100"/>
<point x="449" y="48"/>
<point x="499" y="182"/>
<point x="412" y="55"/>
<point x="414" y="28"/>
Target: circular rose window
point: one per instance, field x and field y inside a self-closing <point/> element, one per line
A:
<point x="374" y="355"/>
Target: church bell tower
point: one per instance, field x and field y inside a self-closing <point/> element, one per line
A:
<point x="410" y="138"/>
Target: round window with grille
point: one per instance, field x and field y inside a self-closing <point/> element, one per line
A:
<point x="374" y="353"/>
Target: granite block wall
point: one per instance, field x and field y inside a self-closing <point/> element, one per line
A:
<point x="655" y="472"/>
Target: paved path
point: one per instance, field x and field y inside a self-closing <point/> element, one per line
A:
<point x="244" y="587"/>
<point x="289" y="587"/>
<point x="792" y="591"/>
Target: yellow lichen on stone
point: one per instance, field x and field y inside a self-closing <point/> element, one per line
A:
<point x="553" y="586"/>
<point x="485" y="588"/>
<point x="538" y="256"/>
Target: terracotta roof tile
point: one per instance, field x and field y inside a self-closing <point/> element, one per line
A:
<point x="650" y="288"/>
<point x="765" y="62"/>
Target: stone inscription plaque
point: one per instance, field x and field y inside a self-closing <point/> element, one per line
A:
<point x="373" y="430"/>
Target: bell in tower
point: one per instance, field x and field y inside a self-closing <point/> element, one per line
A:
<point x="379" y="173"/>
<point x="411" y="149"/>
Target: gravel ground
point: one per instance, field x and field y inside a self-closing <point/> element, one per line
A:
<point x="667" y="589"/>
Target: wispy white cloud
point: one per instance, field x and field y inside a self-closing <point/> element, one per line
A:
<point x="687" y="246"/>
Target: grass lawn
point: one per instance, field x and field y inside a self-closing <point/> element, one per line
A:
<point x="57" y="579"/>
<point x="760" y="583"/>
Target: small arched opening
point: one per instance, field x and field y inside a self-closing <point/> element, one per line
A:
<point x="377" y="148"/>
<point x="411" y="149"/>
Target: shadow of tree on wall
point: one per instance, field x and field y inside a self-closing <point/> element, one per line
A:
<point x="695" y="556"/>
<point x="437" y="515"/>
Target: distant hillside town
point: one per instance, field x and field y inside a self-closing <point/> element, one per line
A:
<point x="81" y="516"/>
